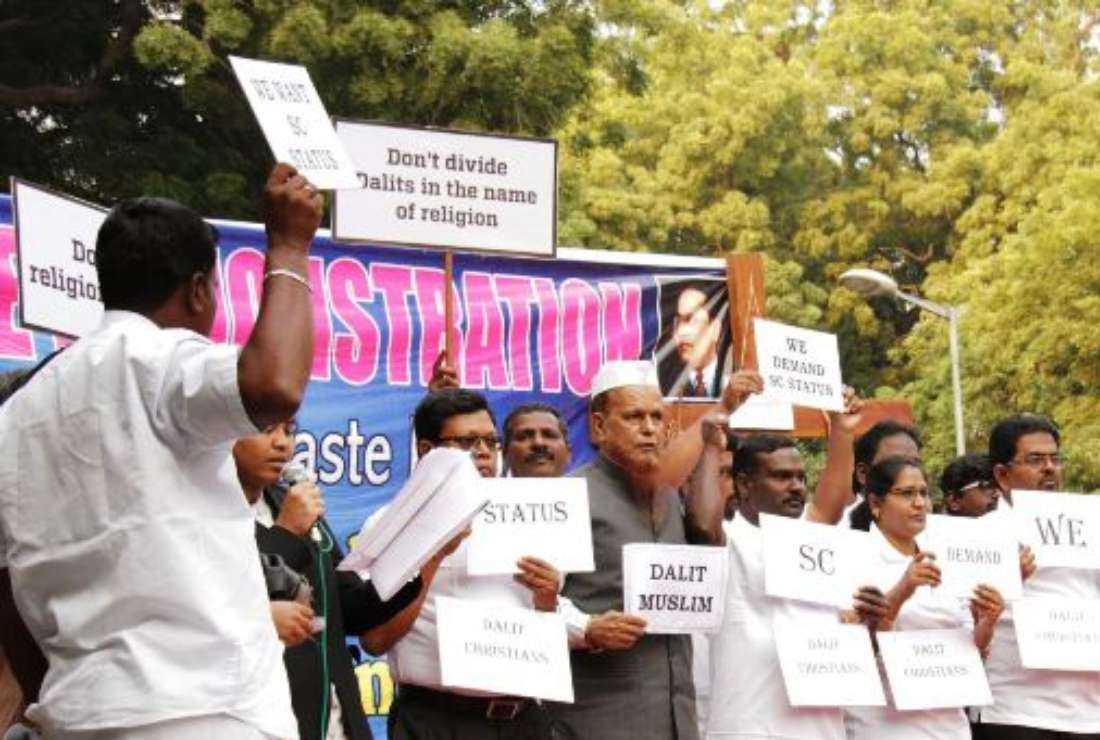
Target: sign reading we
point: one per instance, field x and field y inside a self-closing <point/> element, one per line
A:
<point x="1062" y="528"/>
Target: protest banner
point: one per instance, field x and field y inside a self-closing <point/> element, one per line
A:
<point x="807" y="561"/>
<point x="969" y="552"/>
<point x="545" y="518"/>
<point x="678" y="589"/>
<point x="1058" y="634"/>
<point x="826" y="664"/>
<point x="55" y="247"/>
<point x="1062" y="528"/>
<point x="503" y="649"/>
<point x="432" y="187"/>
<point x="799" y="366"/>
<point x="294" y="121"/>
<point x="934" y="669"/>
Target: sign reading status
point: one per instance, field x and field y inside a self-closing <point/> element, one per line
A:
<point x="678" y="589"/>
<point x="294" y="121"/>
<point x="545" y="518"/>
<point x="55" y="239"/>
<point x="439" y="188"/>
<point x="826" y="664"/>
<point x="799" y="366"/>
<point x="503" y="649"/>
<point x="934" y="669"/>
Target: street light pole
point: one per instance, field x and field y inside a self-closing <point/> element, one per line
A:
<point x="871" y="283"/>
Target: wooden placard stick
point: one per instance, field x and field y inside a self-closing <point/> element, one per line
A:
<point x="448" y="305"/>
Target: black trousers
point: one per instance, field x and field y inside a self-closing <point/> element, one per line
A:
<point x="422" y="714"/>
<point x="1016" y="732"/>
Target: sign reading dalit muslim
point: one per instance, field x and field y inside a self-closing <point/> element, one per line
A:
<point x="678" y="589"/>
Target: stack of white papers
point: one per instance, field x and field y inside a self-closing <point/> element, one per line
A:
<point x="439" y="500"/>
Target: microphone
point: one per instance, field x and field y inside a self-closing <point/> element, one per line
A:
<point x="294" y="473"/>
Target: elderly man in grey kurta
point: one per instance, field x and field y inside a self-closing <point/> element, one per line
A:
<point x="627" y="684"/>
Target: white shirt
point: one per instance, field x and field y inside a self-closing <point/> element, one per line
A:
<point x="748" y="696"/>
<point x="925" y="610"/>
<point x="131" y="547"/>
<point x="414" y="659"/>
<point x="1062" y="701"/>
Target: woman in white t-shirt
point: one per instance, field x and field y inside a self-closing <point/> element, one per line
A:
<point x="894" y="512"/>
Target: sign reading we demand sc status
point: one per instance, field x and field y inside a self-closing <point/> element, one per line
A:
<point x="448" y="189"/>
<point x="799" y="366"/>
<point x="55" y="243"/>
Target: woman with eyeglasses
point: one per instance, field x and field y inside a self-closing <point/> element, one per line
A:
<point x="894" y="512"/>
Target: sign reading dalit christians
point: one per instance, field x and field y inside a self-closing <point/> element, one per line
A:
<point x="934" y="669"/>
<point x="503" y="649"/>
<point x="799" y="366"/>
<point x="678" y="589"/>
<point x="1062" y="528"/>
<point x="807" y="561"/>
<point x="55" y="244"/>
<point x="826" y="664"/>
<point x="545" y="518"/>
<point x="970" y="552"/>
<point x="294" y="121"/>
<point x="1058" y="634"/>
<point x="442" y="188"/>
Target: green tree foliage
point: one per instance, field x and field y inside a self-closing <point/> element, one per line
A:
<point x="109" y="98"/>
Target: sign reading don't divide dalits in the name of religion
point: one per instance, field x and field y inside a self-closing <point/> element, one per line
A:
<point x="545" y="518"/>
<point x="678" y="589"/>
<point x="799" y="366"/>
<point x="934" y="669"/>
<point x="1062" y="528"/>
<point x="430" y="187"/>
<point x="503" y="649"/>
<point x="294" y="121"/>
<point x="969" y="553"/>
<point x="55" y="242"/>
<point x="826" y="664"/>
<point x="1058" y="634"/>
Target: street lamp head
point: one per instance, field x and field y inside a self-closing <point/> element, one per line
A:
<point x="868" y="283"/>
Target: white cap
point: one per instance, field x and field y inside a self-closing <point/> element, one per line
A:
<point x="621" y="373"/>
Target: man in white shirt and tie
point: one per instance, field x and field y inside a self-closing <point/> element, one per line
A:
<point x="130" y="548"/>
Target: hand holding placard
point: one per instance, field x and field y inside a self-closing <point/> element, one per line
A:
<point x="799" y="366"/>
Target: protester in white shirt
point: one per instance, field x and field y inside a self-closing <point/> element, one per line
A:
<point x="748" y="695"/>
<point x="1034" y="704"/>
<point x="130" y="547"/>
<point x="886" y="438"/>
<point x="895" y="510"/>
<point x="461" y="419"/>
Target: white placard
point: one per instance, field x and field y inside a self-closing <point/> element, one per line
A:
<point x="827" y="664"/>
<point x="1062" y="528"/>
<point x="55" y="237"/>
<point x="758" y="413"/>
<point x="813" y="562"/>
<point x="934" y="669"/>
<point x="448" y="189"/>
<point x="503" y="649"/>
<point x="678" y="589"/>
<point x="294" y="121"/>
<point x="799" y="366"/>
<point x="1058" y="634"/>
<point x="545" y="518"/>
<point x="969" y="552"/>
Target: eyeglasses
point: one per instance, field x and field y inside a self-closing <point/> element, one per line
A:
<point x="470" y="441"/>
<point x="1036" y="460"/>
<point x="910" y="494"/>
<point x="987" y="485"/>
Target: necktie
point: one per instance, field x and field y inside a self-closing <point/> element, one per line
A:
<point x="700" y="387"/>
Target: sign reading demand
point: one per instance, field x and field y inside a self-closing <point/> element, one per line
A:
<point x="448" y="189"/>
<point x="55" y="241"/>
<point x="678" y="589"/>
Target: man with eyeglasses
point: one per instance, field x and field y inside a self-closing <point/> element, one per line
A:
<point x="1025" y="452"/>
<point x="424" y="708"/>
<point x="968" y="486"/>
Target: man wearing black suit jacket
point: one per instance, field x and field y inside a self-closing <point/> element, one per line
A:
<point x="345" y="602"/>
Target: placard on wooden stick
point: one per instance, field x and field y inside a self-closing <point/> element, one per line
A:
<point x="450" y="189"/>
